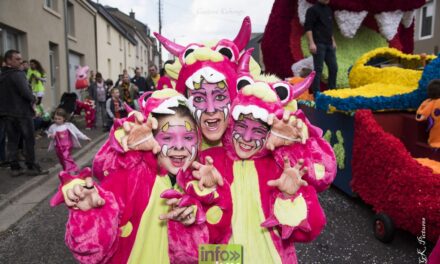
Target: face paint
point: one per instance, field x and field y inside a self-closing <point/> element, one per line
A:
<point x="210" y="98"/>
<point x="178" y="142"/>
<point x="249" y="136"/>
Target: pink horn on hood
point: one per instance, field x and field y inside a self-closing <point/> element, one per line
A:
<point x="243" y="64"/>
<point x="172" y="47"/>
<point x="244" y="35"/>
<point x="302" y="86"/>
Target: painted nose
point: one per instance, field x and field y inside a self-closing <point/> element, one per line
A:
<point x="247" y="135"/>
<point x="210" y="104"/>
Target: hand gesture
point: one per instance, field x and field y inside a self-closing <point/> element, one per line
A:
<point x="284" y="132"/>
<point x="207" y="175"/>
<point x="139" y="135"/>
<point x="185" y="215"/>
<point x="291" y="179"/>
<point x="84" y="197"/>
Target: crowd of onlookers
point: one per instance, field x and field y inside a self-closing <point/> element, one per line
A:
<point x="23" y="118"/>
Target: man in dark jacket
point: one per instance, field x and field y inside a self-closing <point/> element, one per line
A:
<point x="322" y="45"/>
<point x="16" y="112"/>
<point x="139" y="81"/>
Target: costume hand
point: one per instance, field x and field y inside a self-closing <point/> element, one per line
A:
<point x="312" y="48"/>
<point x="207" y="175"/>
<point x="290" y="180"/>
<point x="284" y="132"/>
<point x="139" y="135"/>
<point x="84" y="197"/>
<point x="185" y="215"/>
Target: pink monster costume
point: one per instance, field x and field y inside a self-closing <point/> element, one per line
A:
<point x="246" y="210"/>
<point x="90" y="112"/>
<point x="127" y="229"/>
<point x="208" y="77"/>
<point x="64" y="138"/>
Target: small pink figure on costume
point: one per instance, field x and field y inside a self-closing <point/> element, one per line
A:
<point x="90" y="111"/>
<point x="64" y="137"/>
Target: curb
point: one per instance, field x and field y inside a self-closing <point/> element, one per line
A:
<point x="17" y="193"/>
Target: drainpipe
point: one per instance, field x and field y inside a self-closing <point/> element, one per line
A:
<point x="66" y="41"/>
<point x="96" y="38"/>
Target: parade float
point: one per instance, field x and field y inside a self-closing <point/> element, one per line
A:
<point x="382" y="151"/>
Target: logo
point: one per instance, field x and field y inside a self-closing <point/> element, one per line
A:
<point x="220" y="254"/>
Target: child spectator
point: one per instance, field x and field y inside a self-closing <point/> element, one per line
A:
<point x="64" y="137"/>
<point x="37" y="77"/>
<point x="115" y="107"/>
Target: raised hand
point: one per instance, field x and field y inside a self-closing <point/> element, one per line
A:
<point x="284" y="132"/>
<point x="84" y="197"/>
<point x="139" y="135"/>
<point x="185" y="215"/>
<point x="207" y="175"/>
<point x="291" y="179"/>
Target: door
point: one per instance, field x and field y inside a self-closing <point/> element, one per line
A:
<point x="74" y="63"/>
<point x="53" y="76"/>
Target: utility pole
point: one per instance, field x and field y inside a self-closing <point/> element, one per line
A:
<point x="160" y="32"/>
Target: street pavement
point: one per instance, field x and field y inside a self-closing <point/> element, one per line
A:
<point x="347" y="238"/>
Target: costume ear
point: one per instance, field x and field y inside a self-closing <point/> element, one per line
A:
<point x="244" y="81"/>
<point x="283" y="91"/>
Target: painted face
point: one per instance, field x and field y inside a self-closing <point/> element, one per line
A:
<point x="177" y="137"/>
<point x="211" y="103"/>
<point x="249" y="136"/>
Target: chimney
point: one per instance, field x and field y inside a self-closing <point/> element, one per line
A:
<point x="132" y="14"/>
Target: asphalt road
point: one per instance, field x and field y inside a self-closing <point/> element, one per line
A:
<point x="347" y="238"/>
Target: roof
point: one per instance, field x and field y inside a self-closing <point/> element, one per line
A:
<point x="114" y="22"/>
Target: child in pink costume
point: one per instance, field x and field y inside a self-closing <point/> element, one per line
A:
<point x="64" y="137"/>
<point x="257" y="203"/>
<point x="118" y="221"/>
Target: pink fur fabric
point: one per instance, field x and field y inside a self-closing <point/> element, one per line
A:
<point x="92" y="235"/>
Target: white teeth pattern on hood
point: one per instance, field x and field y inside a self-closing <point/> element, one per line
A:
<point x="257" y="112"/>
<point x="388" y="23"/>
<point x="163" y="108"/>
<point x="193" y="153"/>
<point x="207" y="73"/>
<point x="349" y="22"/>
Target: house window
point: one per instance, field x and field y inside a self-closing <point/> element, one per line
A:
<point x="137" y="51"/>
<point x="52" y="4"/>
<point x="109" y="34"/>
<point x="427" y="17"/>
<point x="129" y="50"/>
<point x="120" y="67"/>
<point x="70" y="19"/>
<point x="10" y="39"/>
<point x="120" y="42"/>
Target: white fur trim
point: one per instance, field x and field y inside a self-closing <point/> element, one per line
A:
<point x="208" y="73"/>
<point x="408" y="18"/>
<point x="163" y="108"/>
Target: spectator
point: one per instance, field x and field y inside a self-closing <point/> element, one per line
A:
<point x="108" y="87"/>
<point x="153" y="78"/>
<point x="139" y="81"/>
<point x="319" y="31"/>
<point x="115" y="107"/>
<point x="128" y="91"/>
<point x="16" y="110"/>
<point x="98" y="93"/>
<point x="165" y="80"/>
<point x="37" y="77"/>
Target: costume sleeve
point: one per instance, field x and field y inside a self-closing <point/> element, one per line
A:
<point x="92" y="236"/>
<point x="77" y="132"/>
<point x="317" y="154"/>
<point x="51" y="130"/>
<point x="298" y="218"/>
<point x="310" y="20"/>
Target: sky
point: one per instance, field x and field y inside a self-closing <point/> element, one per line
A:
<point x="187" y="21"/>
